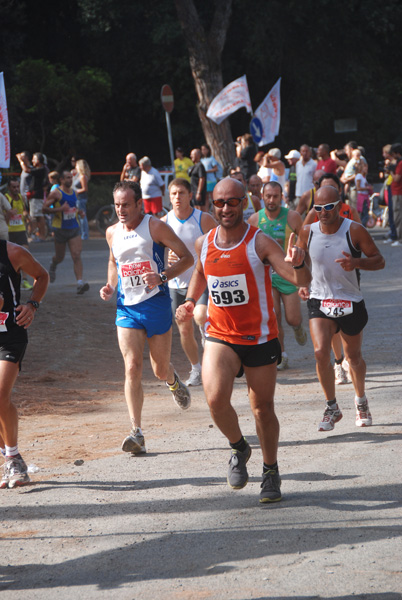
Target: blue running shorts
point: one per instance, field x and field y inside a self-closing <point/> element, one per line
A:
<point x="153" y="315"/>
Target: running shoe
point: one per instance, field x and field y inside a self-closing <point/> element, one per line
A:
<point x="300" y="335"/>
<point x="363" y="415"/>
<point x="134" y="442"/>
<point x="237" y="473"/>
<point x="340" y="374"/>
<point x="25" y="285"/>
<point x="81" y="289"/>
<point x="284" y="364"/>
<point x="195" y="378"/>
<point x="180" y="392"/>
<point x="331" y="416"/>
<point x="15" y="473"/>
<point x="270" y="487"/>
<point x="396" y="243"/>
<point x="52" y="272"/>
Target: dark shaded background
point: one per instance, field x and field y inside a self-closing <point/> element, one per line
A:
<point x="95" y="69"/>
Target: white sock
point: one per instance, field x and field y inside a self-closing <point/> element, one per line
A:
<point x="196" y="367"/>
<point x="360" y="400"/>
<point x="79" y="282"/>
<point x="138" y="429"/>
<point x="11" y="450"/>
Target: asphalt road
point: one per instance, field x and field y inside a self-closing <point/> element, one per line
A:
<point x="166" y="525"/>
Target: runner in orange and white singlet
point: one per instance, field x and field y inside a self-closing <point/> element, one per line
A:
<point x="229" y="315"/>
<point x="235" y="260"/>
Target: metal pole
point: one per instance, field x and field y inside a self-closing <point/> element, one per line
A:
<point x="169" y="130"/>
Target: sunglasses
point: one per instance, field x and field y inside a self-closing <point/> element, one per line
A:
<point x="220" y="203"/>
<point x="318" y="208"/>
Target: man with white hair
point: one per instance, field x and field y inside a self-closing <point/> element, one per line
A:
<point x="131" y="171"/>
<point x="152" y="187"/>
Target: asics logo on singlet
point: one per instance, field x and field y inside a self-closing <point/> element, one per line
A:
<point x="225" y="255"/>
<point x="224" y="284"/>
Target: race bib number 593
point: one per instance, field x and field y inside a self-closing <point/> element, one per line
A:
<point x="228" y="291"/>
<point x="336" y="308"/>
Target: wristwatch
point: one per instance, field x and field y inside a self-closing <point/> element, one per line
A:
<point x="163" y="277"/>
<point x="34" y="303"/>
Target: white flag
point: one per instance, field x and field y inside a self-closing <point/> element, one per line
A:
<point x="269" y="115"/>
<point x="4" y="130"/>
<point x="231" y="98"/>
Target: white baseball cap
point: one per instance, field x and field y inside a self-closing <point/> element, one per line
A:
<point x="293" y="154"/>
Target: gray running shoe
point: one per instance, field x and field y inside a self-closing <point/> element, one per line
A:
<point x="81" y="289"/>
<point x="180" y="392"/>
<point x="134" y="443"/>
<point x="237" y="473"/>
<point x="300" y="335"/>
<point x="52" y="272"/>
<point x="15" y="473"/>
<point x="195" y="378"/>
<point x="270" y="487"/>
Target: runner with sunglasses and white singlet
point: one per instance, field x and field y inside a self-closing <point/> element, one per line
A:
<point x="334" y="300"/>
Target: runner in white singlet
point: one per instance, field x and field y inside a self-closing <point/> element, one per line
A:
<point x="188" y="223"/>
<point x="335" y="302"/>
<point x="136" y="267"/>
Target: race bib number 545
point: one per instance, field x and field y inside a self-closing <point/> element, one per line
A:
<point x="336" y="308"/>
<point x="228" y="291"/>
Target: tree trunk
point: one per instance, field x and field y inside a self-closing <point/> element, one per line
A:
<point x="205" y="52"/>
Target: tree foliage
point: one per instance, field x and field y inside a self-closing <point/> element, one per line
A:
<point x="102" y="64"/>
<point x="55" y="110"/>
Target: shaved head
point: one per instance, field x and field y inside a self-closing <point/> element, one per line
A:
<point x="231" y="185"/>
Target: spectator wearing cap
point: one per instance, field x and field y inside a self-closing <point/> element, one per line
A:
<point x="305" y="168"/>
<point x="290" y="186"/>
<point x="276" y="166"/>
<point x="325" y="162"/>
<point x="182" y="164"/>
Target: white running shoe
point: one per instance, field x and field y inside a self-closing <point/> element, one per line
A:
<point x="284" y="364"/>
<point x="195" y="378"/>
<point x="340" y="374"/>
<point x="396" y="243"/>
<point x="363" y="414"/>
<point x="15" y="473"/>
<point x="331" y="416"/>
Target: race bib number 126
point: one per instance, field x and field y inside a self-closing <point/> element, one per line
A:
<point x="228" y="291"/>
<point x="132" y="273"/>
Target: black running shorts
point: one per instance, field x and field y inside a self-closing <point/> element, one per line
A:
<point x="255" y="355"/>
<point x="350" y="324"/>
